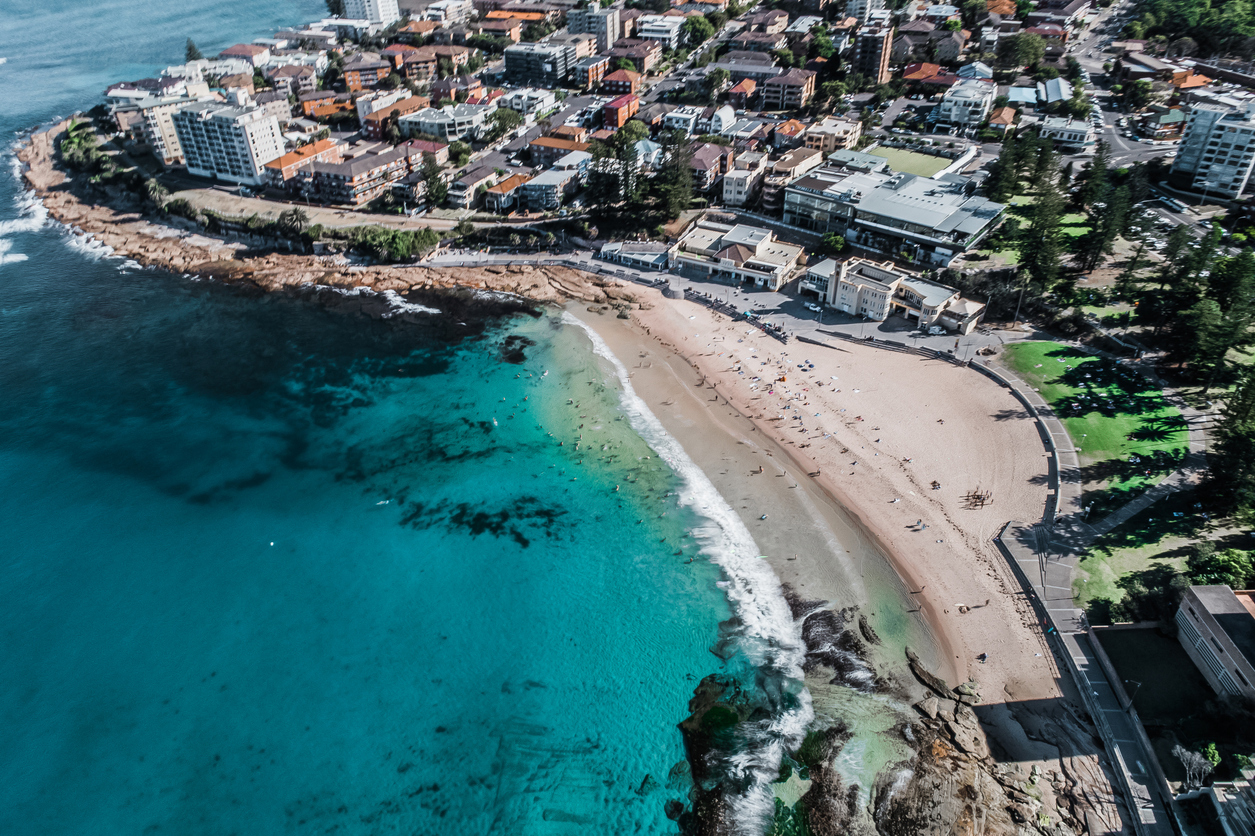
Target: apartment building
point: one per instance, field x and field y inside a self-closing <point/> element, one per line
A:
<point x="540" y="64"/>
<point x="378" y="12"/>
<point x="448" y="123"/>
<point x="368" y="103"/>
<point x="740" y="185"/>
<point x="375" y="125"/>
<point x="548" y="190"/>
<point x="643" y="53"/>
<point x="617" y="112"/>
<point x="967" y="104"/>
<point x="504" y="197"/>
<point x="621" y="82"/>
<point x="158" y="127"/>
<point x="362" y="73"/>
<point x="356" y="181"/>
<point x="293" y="78"/>
<point x="528" y="100"/>
<point x="228" y="141"/>
<point x="512" y="29"/>
<point x="783" y="172"/>
<point x="602" y="23"/>
<point x="590" y="72"/>
<point x="449" y="13"/>
<point x="464" y="193"/>
<point x="547" y="150"/>
<point x="833" y="134"/>
<point x="583" y="44"/>
<point x="707" y="162"/>
<point x="1217" y="150"/>
<point x="788" y="91"/>
<point x="871" y="53"/>
<point x="682" y="119"/>
<point x="667" y="30"/>
<point x="929" y="221"/>
<point x="1216" y="626"/>
<point x="282" y="172"/>
<point x="759" y="41"/>
<point x="275" y="104"/>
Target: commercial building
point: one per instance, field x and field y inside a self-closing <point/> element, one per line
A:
<point x="926" y="220"/>
<point x="1216" y="626"/>
<point x="876" y="291"/>
<point x="833" y="134"/>
<point x="282" y="171"/>
<point x="643" y="255"/>
<point x="735" y="255"/>
<point x="871" y="53"/>
<point x="228" y="141"/>
<point x="1217" y="150"/>
<point x="617" y="112"/>
<point x="540" y="64"/>
<point x="448" y="123"/>
<point x="666" y="29"/>
<point x="378" y="12"/>
<point x="1068" y="133"/>
<point x="967" y="104"/>
<point x="788" y="91"/>
<point x="602" y="23"/>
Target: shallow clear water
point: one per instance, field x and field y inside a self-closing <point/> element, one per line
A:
<point x="270" y="564"/>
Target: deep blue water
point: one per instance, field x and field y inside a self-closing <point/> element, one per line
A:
<point x="269" y="564"/>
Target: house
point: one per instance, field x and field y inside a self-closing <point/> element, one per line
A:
<point x="504" y="197"/>
<point x="740" y="185"/>
<point x="771" y="22"/>
<point x="1068" y="133"/>
<point x="735" y="255"/>
<point x="928" y="220"/>
<point x="242" y="81"/>
<point x="1052" y="33"/>
<point x="788" y="134"/>
<point x="665" y="29"/>
<point x="1003" y="120"/>
<point x="788" y="91"/>
<point x="590" y="72"/>
<point x="876" y="291"/>
<point x="682" y="119"/>
<point x="617" y="112"/>
<point x="1216" y="626"/>
<point x="759" y="41"/>
<point x="832" y="134"/>
<point x="510" y="28"/>
<point x="716" y="120"/>
<point x="464" y="192"/>
<point x="976" y="69"/>
<point x="375" y="124"/>
<point x="254" y="54"/>
<point x="365" y="74"/>
<point x="574" y="133"/>
<point x="1163" y="123"/>
<point x="621" y="82"/>
<point x="708" y="162"/>
<point x="293" y="79"/>
<point x="967" y="103"/>
<point x="356" y="181"/>
<point x="546" y="150"/>
<point x="742" y="93"/>
<point x="282" y="171"/>
<point x="644" y="54"/>
<point x="548" y="190"/>
<point x="1054" y="90"/>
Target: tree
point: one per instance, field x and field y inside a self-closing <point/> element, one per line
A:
<point x="191" y="52"/>
<point x="785" y="57"/>
<point x="1231" y="462"/>
<point x="1126" y="283"/>
<point x="1093" y="180"/>
<point x="1021" y="50"/>
<point x="1197" y="767"/>
<point x="1232" y="567"/>
<point x="698" y="30"/>
<point x="1137" y="95"/>
<point x="673" y="184"/>
<point x="433" y="179"/>
<point x="625" y="64"/>
<point x="717" y="80"/>
<point x="1106" y="224"/>
<point x="292" y="222"/>
<point x="156" y="193"/>
<point x="503" y="120"/>
<point x="1005" y="180"/>
<point x="834" y="243"/>
<point x="1039" y="246"/>
<point x="335" y="8"/>
<point x="460" y="153"/>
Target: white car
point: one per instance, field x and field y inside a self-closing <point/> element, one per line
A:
<point x="811" y="306"/>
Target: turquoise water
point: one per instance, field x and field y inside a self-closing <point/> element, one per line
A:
<point x="270" y="564"/>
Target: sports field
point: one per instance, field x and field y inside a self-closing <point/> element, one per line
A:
<point x="911" y="162"/>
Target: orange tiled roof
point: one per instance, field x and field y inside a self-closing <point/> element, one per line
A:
<point x="510" y="183"/>
<point x="1195" y="80"/>
<point x="301" y="154"/>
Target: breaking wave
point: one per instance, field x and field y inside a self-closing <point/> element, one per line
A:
<point x="767" y="634"/>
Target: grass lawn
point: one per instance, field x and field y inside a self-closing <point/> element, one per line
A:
<point x="1127" y="434"/>
<point x="1104" y="568"/>
<point x="1073" y="225"/>
<point x="911" y="162"/>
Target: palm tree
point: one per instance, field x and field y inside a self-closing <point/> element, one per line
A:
<point x="156" y="193"/>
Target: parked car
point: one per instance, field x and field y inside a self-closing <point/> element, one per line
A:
<point x="811" y="306"/>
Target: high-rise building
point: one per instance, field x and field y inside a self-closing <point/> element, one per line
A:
<point x="871" y="53"/>
<point x="861" y="9"/>
<point x="158" y="126"/>
<point x="539" y="64"/>
<point x="1217" y="152"/>
<point x="382" y="12"/>
<point x="228" y="141"/>
<point x="603" y="23"/>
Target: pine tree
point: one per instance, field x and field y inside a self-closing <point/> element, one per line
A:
<point x="437" y="189"/>
<point x="1093" y="183"/>
<point x="192" y="53"/>
<point x="1005" y="182"/>
<point x="1126" y="282"/>
<point x="673" y="185"/>
<point x="1231" y="463"/>
<point x="1039" y="246"/>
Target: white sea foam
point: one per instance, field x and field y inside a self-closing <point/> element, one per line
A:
<point x="7" y="257"/>
<point x="401" y="306"/>
<point x="770" y="638"/>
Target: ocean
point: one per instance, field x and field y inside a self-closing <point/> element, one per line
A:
<point x="271" y="564"/>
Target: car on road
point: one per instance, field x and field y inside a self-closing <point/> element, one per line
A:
<point x="811" y="306"/>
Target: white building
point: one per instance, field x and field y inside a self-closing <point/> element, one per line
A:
<point x="834" y="133"/>
<point x="862" y="9"/>
<point x="876" y="291"/>
<point x="159" y="130"/>
<point x="682" y="119"/>
<point x="740" y="185"/>
<point x="228" y="141"/>
<point x="450" y="12"/>
<point x="967" y="103"/>
<point x="460" y="121"/>
<point x="735" y="254"/>
<point x="528" y="100"/>
<point x="665" y="28"/>
<point x="1217" y="151"/>
<point x="1075" y="134"/>
<point x="381" y="12"/>
<point x="375" y="101"/>
<point x="716" y="120"/>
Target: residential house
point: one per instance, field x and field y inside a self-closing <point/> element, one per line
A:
<point x="423" y="148"/>
<point x="1163" y="123"/>
<point x="456" y="88"/>
<point x="503" y="198"/>
<point x="976" y="69"/>
<point x="788" y="134"/>
<point x="1003" y="120"/>
<point x="741" y="184"/>
<point x="227" y="141"/>
<point x="242" y="81"/>
<point x="528" y="100"/>
<point x="590" y="72"/>
<point x="716" y="120"/>
<point x="642" y="53"/>
<point x="788" y="91"/>
<point x="1053" y="90"/>
<point x="735" y="254"/>
<point x="512" y="29"/>
<point x="465" y="192"/>
<point x="621" y="82"/>
<point x="709" y="162"/>
<point x="967" y="104"/>
<point x="546" y="150"/>
<point x="832" y="134"/>
<point x="417" y="31"/>
<point x="1052" y="33"/>
<point x="1216" y="626"/>
<point x="928" y="220"/>
<point x="683" y="119"/>
<point x="742" y="93"/>
<point x="282" y="171"/>
<point x="618" y="111"/>
<point x="1070" y="134"/>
